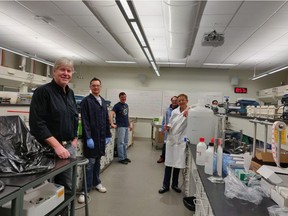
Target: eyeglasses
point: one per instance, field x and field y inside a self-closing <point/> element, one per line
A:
<point x="95" y="86"/>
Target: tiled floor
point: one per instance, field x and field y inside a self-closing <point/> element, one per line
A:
<point x="132" y="190"/>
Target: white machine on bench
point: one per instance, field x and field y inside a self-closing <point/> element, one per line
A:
<point x="39" y="200"/>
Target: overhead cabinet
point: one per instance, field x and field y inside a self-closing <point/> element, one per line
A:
<point x="22" y="76"/>
<point x="272" y="95"/>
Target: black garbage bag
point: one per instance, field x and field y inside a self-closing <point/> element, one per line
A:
<point x="20" y="152"/>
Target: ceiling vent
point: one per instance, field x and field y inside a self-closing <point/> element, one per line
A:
<point x="213" y="39"/>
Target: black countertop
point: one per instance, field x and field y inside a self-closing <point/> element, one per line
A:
<point x="7" y="191"/>
<point x="23" y="180"/>
<point x="223" y="206"/>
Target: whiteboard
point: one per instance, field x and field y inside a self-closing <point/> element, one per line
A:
<point x="142" y="104"/>
<point x="193" y="97"/>
<point x="152" y="104"/>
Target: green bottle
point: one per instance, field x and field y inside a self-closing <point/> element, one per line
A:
<point x="79" y="128"/>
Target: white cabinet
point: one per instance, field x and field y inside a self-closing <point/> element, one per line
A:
<point x="268" y="95"/>
<point x="272" y="94"/>
<point x="282" y="90"/>
<point x="22" y="76"/>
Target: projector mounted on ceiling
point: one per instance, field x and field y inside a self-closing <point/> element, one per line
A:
<point x="213" y="39"/>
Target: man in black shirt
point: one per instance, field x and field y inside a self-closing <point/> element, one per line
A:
<point x="53" y="118"/>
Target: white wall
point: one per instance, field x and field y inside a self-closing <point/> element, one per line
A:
<point x="180" y="79"/>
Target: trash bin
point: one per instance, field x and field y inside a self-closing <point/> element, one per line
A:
<point x="189" y="203"/>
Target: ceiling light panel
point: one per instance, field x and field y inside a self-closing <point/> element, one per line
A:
<point x="127" y="9"/>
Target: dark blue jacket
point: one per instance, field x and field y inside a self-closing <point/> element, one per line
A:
<point x="95" y="125"/>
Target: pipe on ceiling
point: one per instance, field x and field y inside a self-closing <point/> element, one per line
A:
<point x="182" y="19"/>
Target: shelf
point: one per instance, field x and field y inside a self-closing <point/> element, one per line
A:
<point x="25" y="182"/>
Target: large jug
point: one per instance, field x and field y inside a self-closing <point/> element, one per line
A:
<point x="201" y="123"/>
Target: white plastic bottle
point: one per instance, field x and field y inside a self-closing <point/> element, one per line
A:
<point x="200" y="152"/>
<point x="209" y="156"/>
<point x="219" y="157"/>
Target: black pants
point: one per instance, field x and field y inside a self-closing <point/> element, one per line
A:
<point x="163" y="150"/>
<point x="167" y="176"/>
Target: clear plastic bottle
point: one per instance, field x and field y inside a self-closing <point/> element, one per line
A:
<point x="209" y="157"/>
<point x="219" y="157"/>
<point x="200" y="152"/>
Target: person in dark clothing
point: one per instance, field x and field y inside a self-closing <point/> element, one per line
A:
<point x="165" y="121"/>
<point x="121" y="113"/>
<point x="96" y="135"/>
<point x="53" y="117"/>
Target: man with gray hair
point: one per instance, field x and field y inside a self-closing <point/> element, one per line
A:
<point x="53" y="118"/>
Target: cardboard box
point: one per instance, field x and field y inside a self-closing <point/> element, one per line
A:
<point x="268" y="157"/>
<point x="254" y="166"/>
<point x="159" y="137"/>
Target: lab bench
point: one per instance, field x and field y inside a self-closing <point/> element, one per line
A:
<point x="211" y="200"/>
<point x="25" y="182"/>
<point x="11" y="194"/>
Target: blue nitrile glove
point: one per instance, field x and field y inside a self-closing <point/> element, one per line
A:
<point x="90" y="143"/>
<point x="107" y="140"/>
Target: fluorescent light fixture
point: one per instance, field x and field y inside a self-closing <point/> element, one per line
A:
<point x="146" y="50"/>
<point x="42" y="61"/>
<point x="127" y="9"/>
<point x="120" y="62"/>
<point x="275" y="70"/>
<point x="171" y="63"/>
<point x="138" y="33"/>
<point x="15" y="52"/>
<point x="259" y="76"/>
<point x="155" y="68"/>
<point x="218" y="64"/>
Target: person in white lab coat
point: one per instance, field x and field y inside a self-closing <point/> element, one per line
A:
<point x="175" y="145"/>
<point x="173" y="105"/>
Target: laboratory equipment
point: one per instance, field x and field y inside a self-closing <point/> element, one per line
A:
<point x="39" y="200"/>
